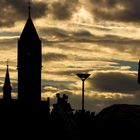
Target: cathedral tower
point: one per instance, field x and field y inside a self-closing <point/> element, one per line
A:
<point x="29" y="64"/>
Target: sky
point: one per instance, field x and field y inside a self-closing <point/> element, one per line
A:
<point x="99" y="37"/>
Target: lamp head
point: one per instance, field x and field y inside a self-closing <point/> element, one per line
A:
<point x="83" y="76"/>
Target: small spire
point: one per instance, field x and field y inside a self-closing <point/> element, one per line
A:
<point x="7" y="85"/>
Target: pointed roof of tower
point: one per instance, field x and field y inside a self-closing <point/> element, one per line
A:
<point x="7" y="83"/>
<point x="29" y="32"/>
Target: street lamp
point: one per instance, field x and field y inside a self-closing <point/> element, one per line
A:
<point x="83" y="77"/>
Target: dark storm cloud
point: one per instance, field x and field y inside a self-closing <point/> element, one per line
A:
<point x="66" y="35"/>
<point x="58" y="35"/>
<point x="61" y="85"/>
<point x="64" y="9"/>
<point x="15" y="10"/>
<point x="38" y="8"/>
<point x="121" y="44"/>
<point x="54" y="31"/>
<point x="133" y="65"/>
<point x="54" y="57"/>
<point x="115" y="82"/>
<point x="83" y="33"/>
<point x="49" y="89"/>
<point x="121" y="10"/>
<point x="69" y="73"/>
<point x="115" y="41"/>
<point x="7" y="44"/>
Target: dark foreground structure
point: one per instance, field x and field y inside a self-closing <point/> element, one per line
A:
<point x="27" y="121"/>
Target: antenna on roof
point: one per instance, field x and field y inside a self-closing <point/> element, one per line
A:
<point x="7" y="63"/>
<point x="29" y="7"/>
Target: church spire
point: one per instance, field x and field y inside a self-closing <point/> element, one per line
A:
<point x="29" y="32"/>
<point x="29" y="63"/>
<point x="7" y="85"/>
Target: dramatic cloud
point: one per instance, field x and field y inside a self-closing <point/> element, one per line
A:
<point x="59" y="34"/>
<point x="121" y="44"/>
<point x="83" y="35"/>
<point x="116" y="10"/>
<point x="54" y="34"/>
<point x="64" y="9"/>
<point x="54" y="57"/>
<point x="61" y="85"/>
<point x="115" y="43"/>
<point x="12" y="11"/>
<point x="115" y="82"/>
<point x="133" y="65"/>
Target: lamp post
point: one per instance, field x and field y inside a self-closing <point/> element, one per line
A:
<point x="83" y="77"/>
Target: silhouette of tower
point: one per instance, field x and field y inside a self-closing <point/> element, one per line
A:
<point x="29" y="63"/>
<point x="139" y="72"/>
<point x="7" y="87"/>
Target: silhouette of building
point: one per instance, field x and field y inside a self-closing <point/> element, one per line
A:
<point x="29" y="79"/>
<point x="29" y="64"/>
<point x="62" y="116"/>
<point x="7" y="88"/>
<point x="29" y="111"/>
